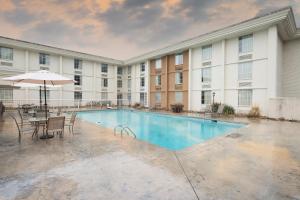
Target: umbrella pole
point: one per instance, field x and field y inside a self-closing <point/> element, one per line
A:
<point x="40" y="97"/>
<point x="46" y="109"/>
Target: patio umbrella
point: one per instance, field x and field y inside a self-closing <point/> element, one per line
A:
<point x="30" y="85"/>
<point x="44" y="78"/>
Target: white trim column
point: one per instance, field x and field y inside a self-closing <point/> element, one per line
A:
<point x="272" y="62"/>
<point x="94" y="80"/>
<point x="26" y="70"/>
<point x="222" y="97"/>
<point x="190" y="80"/>
<point x="61" y="88"/>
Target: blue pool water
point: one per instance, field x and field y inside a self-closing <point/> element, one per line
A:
<point x="171" y="132"/>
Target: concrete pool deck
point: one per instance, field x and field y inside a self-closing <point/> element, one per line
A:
<point x="259" y="161"/>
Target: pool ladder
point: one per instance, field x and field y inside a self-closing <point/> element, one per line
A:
<point x="123" y="128"/>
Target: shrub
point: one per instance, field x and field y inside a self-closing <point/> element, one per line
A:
<point x="254" y="112"/>
<point x="136" y="105"/>
<point x="177" y="107"/>
<point x="228" y="110"/>
<point x="214" y="107"/>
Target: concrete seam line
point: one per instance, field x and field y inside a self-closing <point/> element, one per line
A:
<point x="180" y="165"/>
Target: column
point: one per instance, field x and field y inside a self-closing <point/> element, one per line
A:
<point x="190" y="80"/>
<point x="61" y="88"/>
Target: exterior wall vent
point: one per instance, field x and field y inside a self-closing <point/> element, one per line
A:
<point x="206" y="86"/>
<point x="208" y="63"/>
<point x="245" y="84"/>
<point x="44" y="68"/>
<point x="78" y="72"/>
<point x="245" y="57"/>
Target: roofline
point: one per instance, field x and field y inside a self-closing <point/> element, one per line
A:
<point x="56" y="50"/>
<point x="283" y="18"/>
<point x="257" y="23"/>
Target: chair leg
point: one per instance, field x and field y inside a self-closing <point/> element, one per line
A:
<point x="72" y="129"/>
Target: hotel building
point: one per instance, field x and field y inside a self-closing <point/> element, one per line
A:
<point x="242" y="65"/>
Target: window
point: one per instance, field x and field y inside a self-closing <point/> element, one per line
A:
<point x="104" y="96"/>
<point x="158" y="80"/>
<point x="157" y="97"/>
<point x="119" y="83"/>
<point x="178" y="78"/>
<point x="245" y="97"/>
<point x="6" y="53"/>
<point x="129" y="97"/>
<point x="245" y="71"/>
<point x="43" y="94"/>
<point x="205" y="97"/>
<point x="206" y="75"/>
<point x="77" y="78"/>
<point x="77" y="64"/>
<point x="44" y="59"/>
<point x="207" y="52"/>
<point x="246" y="44"/>
<point x="104" y="68"/>
<point x="120" y="71"/>
<point x="142" y="98"/>
<point x="129" y="84"/>
<point x="158" y="63"/>
<point x="78" y="95"/>
<point x="179" y="59"/>
<point x="178" y="97"/>
<point x="104" y="82"/>
<point x="6" y="94"/>
<point x="142" y="65"/>
<point x="142" y="83"/>
<point x="129" y="69"/>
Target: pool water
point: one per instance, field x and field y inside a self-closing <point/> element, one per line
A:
<point x="168" y="131"/>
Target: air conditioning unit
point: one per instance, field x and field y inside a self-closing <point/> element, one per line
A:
<point x="78" y="72"/>
<point x="245" y="57"/>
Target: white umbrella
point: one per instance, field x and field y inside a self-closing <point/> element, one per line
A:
<point x="42" y="77"/>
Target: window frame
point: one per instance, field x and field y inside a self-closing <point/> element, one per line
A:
<point x="78" y="83"/>
<point x="142" y="82"/>
<point x="44" y="59"/>
<point x="203" y="79"/>
<point x="240" y="91"/>
<point x="104" y="82"/>
<point x="78" y="94"/>
<point x="180" y="78"/>
<point x="157" y="100"/>
<point x="104" y="66"/>
<point x="79" y="63"/>
<point x="179" y="59"/>
<point x="9" y="58"/>
<point x="119" y="83"/>
<point x="180" y="100"/>
<point x="158" y="63"/>
<point x="241" y="68"/>
<point x="209" y="54"/>
<point x="158" y="80"/>
<point x="204" y="95"/>
<point x="6" y="94"/>
<point x="243" y="50"/>
<point x="142" y="67"/>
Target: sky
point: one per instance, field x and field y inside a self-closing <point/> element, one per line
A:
<point x="122" y="29"/>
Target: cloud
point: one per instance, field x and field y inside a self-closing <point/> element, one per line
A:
<point x="124" y="28"/>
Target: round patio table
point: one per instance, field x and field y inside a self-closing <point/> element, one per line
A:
<point x="37" y="122"/>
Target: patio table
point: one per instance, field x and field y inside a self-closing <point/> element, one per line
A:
<point x="37" y="122"/>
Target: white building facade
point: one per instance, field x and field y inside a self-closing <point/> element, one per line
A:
<point x="243" y="65"/>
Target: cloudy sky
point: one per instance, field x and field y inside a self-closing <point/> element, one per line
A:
<point x="124" y="28"/>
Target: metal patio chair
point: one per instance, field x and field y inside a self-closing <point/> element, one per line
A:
<point x="56" y="125"/>
<point x="71" y="123"/>
<point x="22" y="129"/>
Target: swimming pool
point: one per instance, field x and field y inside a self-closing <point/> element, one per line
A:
<point x="168" y="131"/>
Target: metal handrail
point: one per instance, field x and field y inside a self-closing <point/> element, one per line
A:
<point x="127" y="129"/>
<point x="124" y="128"/>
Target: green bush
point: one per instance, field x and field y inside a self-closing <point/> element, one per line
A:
<point x="228" y="110"/>
<point x="177" y="107"/>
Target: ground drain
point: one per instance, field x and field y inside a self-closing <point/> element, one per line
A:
<point x="234" y="135"/>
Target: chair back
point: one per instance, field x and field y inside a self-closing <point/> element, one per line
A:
<point x="55" y="123"/>
<point x="73" y="117"/>
<point x="20" y="115"/>
<point x="220" y="109"/>
<point x="208" y="108"/>
<point x="16" y="122"/>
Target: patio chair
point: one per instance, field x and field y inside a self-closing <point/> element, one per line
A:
<point x="208" y="110"/>
<point x="56" y="124"/>
<point x="23" y="118"/>
<point x="22" y="129"/>
<point x="71" y="123"/>
<point x="219" y="111"/>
